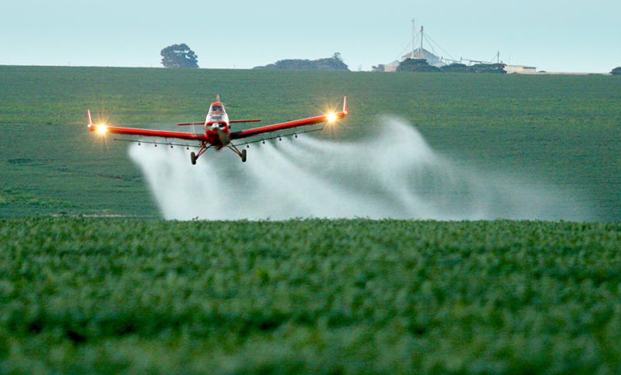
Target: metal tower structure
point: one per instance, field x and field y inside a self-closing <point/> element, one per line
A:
<point x="422" y="36"/>
<point x="413" y="35"/>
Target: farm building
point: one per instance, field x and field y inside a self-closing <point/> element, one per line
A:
<point x="520" y="69"/>
<point x="416" y="53"/>
<point x="421" y="53"/>
<point x="392" y="67"/>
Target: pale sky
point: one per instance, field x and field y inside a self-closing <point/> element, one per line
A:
<point x="552" y="35"/>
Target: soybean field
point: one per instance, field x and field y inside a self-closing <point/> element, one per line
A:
<point x="134" y="296"/>
<point x="132" y="293"/>
<point x="564" y="131"/>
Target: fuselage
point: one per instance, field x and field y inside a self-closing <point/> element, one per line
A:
<point x="217" y="127"/>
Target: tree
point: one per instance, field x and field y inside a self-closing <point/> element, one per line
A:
<point x="179" y="56"/>
<point x="616" y="71"/>
<point x="331" y="63"/>
<point x="487" y="68"/>
<point x="418" y="66"/>
<point x="455" y="68"/>
<point x="379" y="68"/>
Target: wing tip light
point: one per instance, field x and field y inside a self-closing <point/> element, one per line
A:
<point x="331" y="117"/>
<point x="100" y="129"/>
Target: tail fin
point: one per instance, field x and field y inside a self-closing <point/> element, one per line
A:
<point x="90" y="120"/>
<point x="218" y="97"/>
<point x="345" y="108"/>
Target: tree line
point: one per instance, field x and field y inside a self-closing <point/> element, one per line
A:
<point x="182" y="56"/>
<point x="422" y="66"/>
<point x="331" y="63"/>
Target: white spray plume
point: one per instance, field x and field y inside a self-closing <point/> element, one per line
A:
<point x="394" y="174"/>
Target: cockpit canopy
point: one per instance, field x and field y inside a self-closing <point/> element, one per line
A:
<point x="216" y="108"/>
<point x="217" y="125"/>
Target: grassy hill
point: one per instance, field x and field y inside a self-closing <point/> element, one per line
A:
<point x="563" y="130"/>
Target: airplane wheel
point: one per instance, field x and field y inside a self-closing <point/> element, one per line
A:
<point x="243" y="156"/>
<point x="193" y="158"/>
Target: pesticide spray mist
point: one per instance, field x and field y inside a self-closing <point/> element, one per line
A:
<point x="394" y="174"/>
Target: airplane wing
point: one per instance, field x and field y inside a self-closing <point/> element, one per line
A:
<point x="330" y="117"/>
<point x="230" y="122"/>
<point x="104" y="129"/>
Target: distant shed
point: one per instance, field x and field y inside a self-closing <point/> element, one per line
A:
<point x="520" y="69"/>
<point x="392" y="67"/>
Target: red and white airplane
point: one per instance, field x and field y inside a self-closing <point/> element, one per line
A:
<point x="217" y="129"/>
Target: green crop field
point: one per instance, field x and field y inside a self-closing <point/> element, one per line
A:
<point x="311" y="296"/>
<point x="560" y="130"/>
<point x="144" y="295"/>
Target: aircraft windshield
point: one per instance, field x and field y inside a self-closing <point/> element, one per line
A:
<point x="216" y="108"/>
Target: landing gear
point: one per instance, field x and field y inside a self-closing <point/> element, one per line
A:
<point x="242" y="153"/>
<point x="194" y="157"/>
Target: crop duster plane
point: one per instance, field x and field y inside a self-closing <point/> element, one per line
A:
<point x="217" y="130"/>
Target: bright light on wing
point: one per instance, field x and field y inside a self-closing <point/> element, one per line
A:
<point x="331" y="117"/>
<point x="101" y="129"/>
